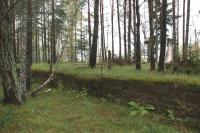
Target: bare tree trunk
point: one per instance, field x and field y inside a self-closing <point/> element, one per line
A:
<point x="129" y="30"/>
<point x="177" y="27"/>
<point x="112" y="21"/>
<point x="13" y="93"/>
<point x="81" y="37"/>
<point x="29" y="45"/>
<point x="175" y="52"/>
<point x="119" y="28"/>
<point x="152" y="38"/>
<point x="161" y="65"/>
<point x="93" y="54"/>
<point x="53" y="40"/>
<point x="185" y="52"/>
<point x="102" y="29"/>
<point x="138" y="47"/>
<point x="89" y="26"/>
<point x="125" y="47"/>
<point x="45" y="34"/>
<point x="183" y="43"/>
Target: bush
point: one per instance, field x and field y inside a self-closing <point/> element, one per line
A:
<point x="191" y="65"/>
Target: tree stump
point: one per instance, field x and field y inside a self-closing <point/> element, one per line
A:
<point x="109" y="60"/>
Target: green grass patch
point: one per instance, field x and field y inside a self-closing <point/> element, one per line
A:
<point x="127" y="72"/>
<point x="67" y="111"/>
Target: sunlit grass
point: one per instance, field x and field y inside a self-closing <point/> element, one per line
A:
<point x="62" y="111"/>
<point x="122" y="72"/>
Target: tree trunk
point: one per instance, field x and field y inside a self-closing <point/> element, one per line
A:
<point x="93" y="54"/>
<point x="152" y="39"/>
<point x="161" y="64"/>
<point x="112" y="23"/>
<point x="53" y="40"/>
<point x="175" y="52"/>
<point x="29" y="45"/>
<point x="102" y="29"/>
<point x="45" y="34"/>
<point x="125" y="47"/>
<point x="183" y="43"/>
<point x="89" y="27"/>
<point x="129" y="30"/>
<point x="138" y="47"/>
<point x="185" y="52"/>
<point x="119" y="28"/>
<point x="13" y="93"/>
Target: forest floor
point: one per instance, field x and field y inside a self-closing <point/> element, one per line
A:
<point x="63" y="110"/>
<point x="122" y="72"/>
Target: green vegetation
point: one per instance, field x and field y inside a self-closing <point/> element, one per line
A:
<point x="122" y="72"/>
<point x="67" y="111"/>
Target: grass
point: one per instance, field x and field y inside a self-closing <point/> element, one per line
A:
<point x="66" y="111"/>
<point x="122" y="72"/>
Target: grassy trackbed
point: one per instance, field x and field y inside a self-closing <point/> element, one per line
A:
<point x="67" y="111"/>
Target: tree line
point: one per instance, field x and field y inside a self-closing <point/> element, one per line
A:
<point x="38" y="31"/>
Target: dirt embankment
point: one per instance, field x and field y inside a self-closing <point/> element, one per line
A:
<point x="183" y="99"/>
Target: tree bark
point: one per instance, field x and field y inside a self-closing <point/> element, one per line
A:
<point x="152" y="39"/>
<point x="93" y="54"/>
<point x="119" y="28"/>
<point x="89" y="27"/>
<point x="185" y="52"/>
<point x="161" y="64"/>
<point x="125" y="47"/>
<point x="29" y="45"/>
<point x="129" y="30"/>
<point x="13" y="93"/>
<point x="183" y="42"/>
<point x="112" y="23"/>
<point x="138" y="47"/>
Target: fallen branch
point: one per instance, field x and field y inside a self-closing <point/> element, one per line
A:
<point x="51" y="77"/>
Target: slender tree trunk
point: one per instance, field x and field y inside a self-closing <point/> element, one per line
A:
<point x="102" y="28"/>
<point x="175" y="54"/>
<point x="119" y="28"/>
<point x="177" y="27"/>
<point x="93" y="54"/>
<point x="129" y="30"/>
<point x="138" y="47"/>
<point x="89" y="27"/>
<point x="36" y="44"/>
<point x="185" y="52"/>
<point x="152" y="39"/>
<point x="112" y="22"/>
<point x="29" y="45"/>
<point x="135" y="31"/>
<point x="163" y="35"/>
<point x="45" y="33"/>
<point x="125" y="47"/>
<point x="81" y="37"/>
<point x="53" y="40"/>
<point x="183" y="42"/>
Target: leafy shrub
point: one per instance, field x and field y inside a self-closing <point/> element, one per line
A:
<point x="138" y="110"/>
<point x="191" y="65"/>
<point x="83" y="94"/>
